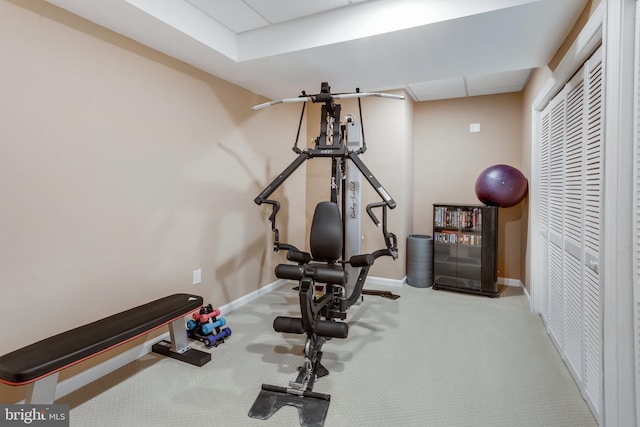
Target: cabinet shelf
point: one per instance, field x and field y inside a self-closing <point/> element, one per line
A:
<point x="465" y="248"/>
<point x="462" y="230"/>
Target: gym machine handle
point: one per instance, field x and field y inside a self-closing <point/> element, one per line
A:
<point x="263" y="197"/>
<point x="390" y="239"/>
<point x="373" y="217"/>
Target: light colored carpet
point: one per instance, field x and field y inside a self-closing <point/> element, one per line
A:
<point x="429" y="358"/>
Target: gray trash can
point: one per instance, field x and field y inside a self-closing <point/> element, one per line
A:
<point x="420" y="260"/>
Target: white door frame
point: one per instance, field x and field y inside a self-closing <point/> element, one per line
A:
<point x="618" y="350"/>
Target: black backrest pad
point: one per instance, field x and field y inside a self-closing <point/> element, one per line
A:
<point x="47" y="356"/>
<point x="326" y="232"/>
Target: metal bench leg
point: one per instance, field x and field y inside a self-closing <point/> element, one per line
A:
<point x="179" y="339"/>
<point x="42" y="391"/>
<point x="179" y="347"/>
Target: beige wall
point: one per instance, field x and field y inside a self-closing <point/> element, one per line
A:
<point x="448" y="159"/>
<point x="122" y="171"/>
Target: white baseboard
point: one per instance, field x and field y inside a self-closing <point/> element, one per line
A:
<point x="233" y="305"/>
<point x="85" y="377"/>
<point x="510" y="282"/>
<point x="526" y="294"/>
<point x="381" y="281"/>
<point x="399" y="283"/>
<point x="517" y="283"/>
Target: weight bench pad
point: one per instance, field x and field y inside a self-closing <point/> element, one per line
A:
<point x="30" y="363"/>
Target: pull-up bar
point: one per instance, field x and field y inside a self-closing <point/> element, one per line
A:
<point x="317" y="98"/>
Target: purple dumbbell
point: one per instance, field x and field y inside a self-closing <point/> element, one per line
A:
<point x="212" y="340"/>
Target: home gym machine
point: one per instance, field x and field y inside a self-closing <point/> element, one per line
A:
<point x="331" y="276"/>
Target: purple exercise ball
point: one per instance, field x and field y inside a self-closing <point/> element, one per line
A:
<point x="501" y="185"/>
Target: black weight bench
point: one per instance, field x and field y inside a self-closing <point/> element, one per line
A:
<point x="39" y="364"/>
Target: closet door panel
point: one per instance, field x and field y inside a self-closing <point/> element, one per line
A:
<point x="556" y="201"/>
<point x="573" y="226"/>
<point x="543" y="203"/>
<point x="592" y="230"/>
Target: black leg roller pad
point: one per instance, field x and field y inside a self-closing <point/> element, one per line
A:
<point x="322" y="328"/>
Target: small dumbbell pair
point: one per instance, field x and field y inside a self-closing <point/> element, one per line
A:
<point x="213" y="340"/>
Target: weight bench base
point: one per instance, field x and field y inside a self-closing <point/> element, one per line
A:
<point x="191" y="356"/>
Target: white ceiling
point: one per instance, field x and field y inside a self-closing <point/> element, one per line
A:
<point x="433" y="49"/>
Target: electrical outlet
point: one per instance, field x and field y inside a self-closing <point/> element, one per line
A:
<point x="197" y="276"/>
<point x="474" y="127"/>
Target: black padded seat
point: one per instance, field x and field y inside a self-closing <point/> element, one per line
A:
<point x="35" y="361"/>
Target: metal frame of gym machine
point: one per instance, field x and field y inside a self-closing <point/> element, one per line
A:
<point x="343" y="143"/>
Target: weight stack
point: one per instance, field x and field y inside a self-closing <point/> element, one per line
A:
<point x="420" y="260"/>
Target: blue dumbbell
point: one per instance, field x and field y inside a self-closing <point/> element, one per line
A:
<point x="207" y="328"/>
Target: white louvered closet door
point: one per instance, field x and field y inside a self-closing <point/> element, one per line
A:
<point x="572" y="221"/>
<point x="543" y="201"/>
<point x="592" y="381"/>
<point x="570" y="171"/>
<point x="555" y="217"/>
